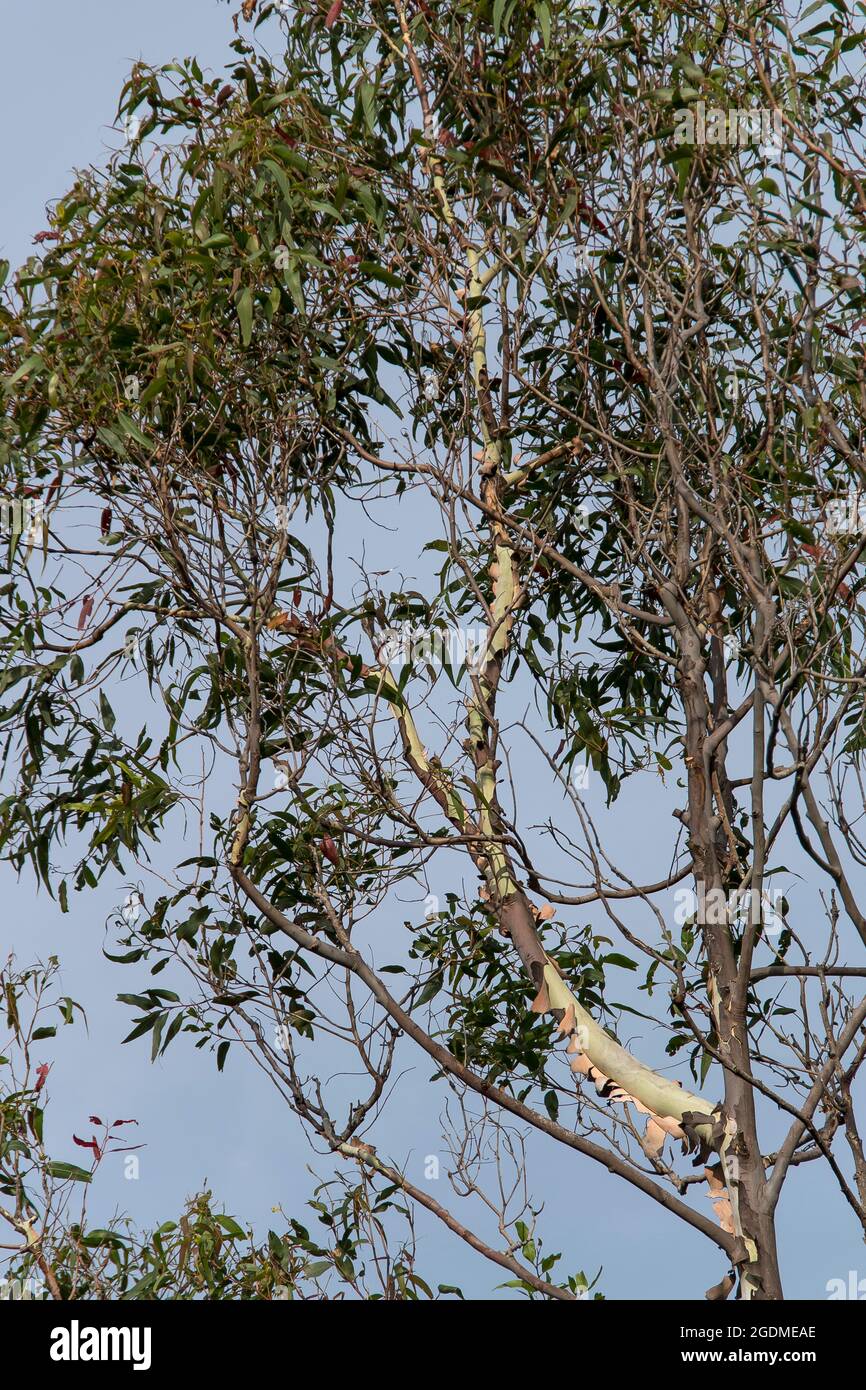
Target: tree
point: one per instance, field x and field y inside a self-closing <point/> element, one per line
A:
<point x="60" y="1254"/>
<point x="573" y="296"/>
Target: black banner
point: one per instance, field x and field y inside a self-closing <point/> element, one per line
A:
<point x="142" y="1339"/>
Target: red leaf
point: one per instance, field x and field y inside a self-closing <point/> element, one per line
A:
<point x="334" y="14"/>
<point x="87" y="1144"/>
<point x="42" y="237"/>
<point x="591" y="217"/>
<point x="94" y="1119"/>
<point x="329" y="849"/>
<point x="49" y="496"/>
<point x="224" y="94"/>
<point x="42" y="1075"/>
<point x="86" y="610"/>
<point x="105" y="521"/>
<point x="123" y="1122"/>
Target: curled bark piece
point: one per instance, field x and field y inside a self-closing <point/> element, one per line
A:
<point x="719" y="1292"/>
<point x="719" y="1198"/>
<point x="541" y="1003"/>
<point x="659" y="1127"/>
<point x="654" y="1138"/>
<point x="659" y="1095"/>
<point x="567" y="1022"/>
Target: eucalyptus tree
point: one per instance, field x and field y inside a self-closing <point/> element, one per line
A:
<point x="53" y="1249"/>
<point x="567" y="298"/>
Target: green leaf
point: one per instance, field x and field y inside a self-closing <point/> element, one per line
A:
<point x="498" y="9"/>
<point x="106" y="711"/>
<point x="32" y="364"/>
<point x="130" y="428"/>
<point x="100" y="1236"/>
<point x="144" y="1025"/>
<point x="231" y="1227"/>
<point x="378" y="272"/>
<point x="623" y="961"/>
<point x="68" y="1171"/>
<point x="280" y="179"/>
<point x="542" y="14"/>
<point x="245" y="315"/>
<point x="430" y="989"/>
<point x="368" y="105"/>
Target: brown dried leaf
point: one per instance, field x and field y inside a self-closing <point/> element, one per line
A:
<point x="86" y="610"/>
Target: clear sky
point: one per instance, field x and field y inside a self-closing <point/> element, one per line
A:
<point x="62" y="68"/>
